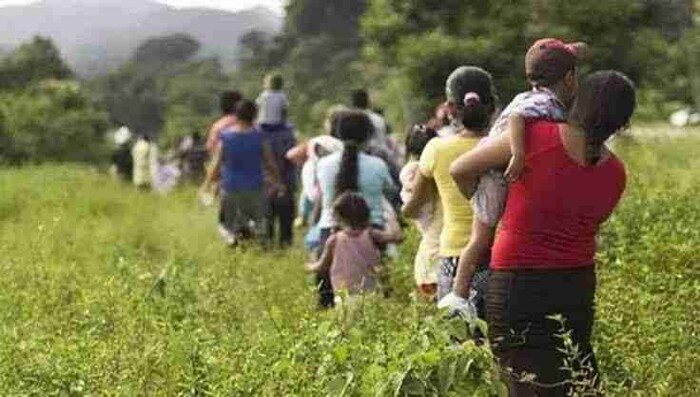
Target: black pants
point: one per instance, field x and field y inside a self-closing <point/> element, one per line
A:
<point x="280" y="214"/>
<point x="523" y="337"/>
<point x="326" y="297"/>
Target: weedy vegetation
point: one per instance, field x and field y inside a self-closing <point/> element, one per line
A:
<point x="106" y="291"/>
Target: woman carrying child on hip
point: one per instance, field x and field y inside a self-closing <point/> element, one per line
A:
<point x="471" y="95"/>
<point x="551" y="67"/>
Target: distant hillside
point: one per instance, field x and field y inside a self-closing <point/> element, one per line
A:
<point x="96" y="36"/>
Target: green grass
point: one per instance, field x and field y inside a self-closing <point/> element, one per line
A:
<point x="106" y="291"/>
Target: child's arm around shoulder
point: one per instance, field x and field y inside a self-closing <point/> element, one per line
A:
<point x="326" y="259"/>
<point x="516" y="136"/>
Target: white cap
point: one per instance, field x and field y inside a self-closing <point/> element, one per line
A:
<point x="122" y="135"/>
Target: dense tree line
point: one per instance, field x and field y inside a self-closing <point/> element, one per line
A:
<point x="404" y="50"/>
<point x="400" y="50"/>
<point x="164" y="90"/>
<point x="46" y="114"/>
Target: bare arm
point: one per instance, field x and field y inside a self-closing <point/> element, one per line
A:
<point x="297" y="154"/>
<point x="326" y="260"/>
<point x="473" y="254"/>
<point x="516" y="131"/>
<point x="469" y="167"/>
<point x="316" y="212"/>
<point x="212" y="138"/>
<point x="423" y="192"/>
<point x="213" y="171"/>
<point x="392" y="234"/>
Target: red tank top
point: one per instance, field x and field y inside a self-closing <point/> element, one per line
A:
<point x="552" y="214"/>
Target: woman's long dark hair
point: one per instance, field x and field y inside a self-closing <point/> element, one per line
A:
<point x="604" y="105"/>
<point x="353" y="128"/>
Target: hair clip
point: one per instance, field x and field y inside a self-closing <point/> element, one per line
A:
<point x="472" y="99"/>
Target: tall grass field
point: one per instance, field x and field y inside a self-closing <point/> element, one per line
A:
<point x="106" y="291"/>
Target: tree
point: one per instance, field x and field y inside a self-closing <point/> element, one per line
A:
<point x="672" y="17"/>
<point x="164" y="90"/>
<point x="336" y="18"/>
<point x="51" y="121"/>
<point x="318" y="53"/>
<point x="254" y="47"/>
<point x="410" y="47"/>
<point x="174" y="48"/>
<point x="32" y="62"/>
<point x="191" y="93"/>
<point x="131" y="96"/>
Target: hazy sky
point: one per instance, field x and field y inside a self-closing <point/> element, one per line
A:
<point x="232" y="5"/>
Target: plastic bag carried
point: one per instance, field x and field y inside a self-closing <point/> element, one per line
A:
<point x="457" y="306"/>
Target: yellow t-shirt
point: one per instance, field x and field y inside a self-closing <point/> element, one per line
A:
<point x="435" y="163"/>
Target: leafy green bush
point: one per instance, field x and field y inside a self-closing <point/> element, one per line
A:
<point x="32" y="62"/>
<point x="142" y="299"/>
<point x="418" y="43"/>
<point x="51" y="121"/>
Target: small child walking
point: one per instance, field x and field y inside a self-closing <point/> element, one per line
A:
<point x="352" y="254"/>
<point x="429" y="222"/>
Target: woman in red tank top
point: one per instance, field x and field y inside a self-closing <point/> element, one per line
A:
<point x="543" y="257"/>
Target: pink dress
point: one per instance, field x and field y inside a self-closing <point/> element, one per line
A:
<point x="355" y="257"/>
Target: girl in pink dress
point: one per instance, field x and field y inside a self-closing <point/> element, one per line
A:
<point x="352" y="253"/>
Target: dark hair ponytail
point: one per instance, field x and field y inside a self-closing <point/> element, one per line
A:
<point x="476" y="112"/>
<point x="475" y="84"/>
<point x="594" y="145"/>
<point x="353" y="128"/>
<point x="417" y="139"/>
<point x="604" y="105"/>
<point x="349" y="170"/>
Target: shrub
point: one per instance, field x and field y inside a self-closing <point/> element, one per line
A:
<point x="50" y="121"/>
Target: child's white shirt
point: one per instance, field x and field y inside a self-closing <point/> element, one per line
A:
<point x="272" y="106"/>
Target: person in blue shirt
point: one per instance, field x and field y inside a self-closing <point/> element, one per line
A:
<point x="248" y="174"/>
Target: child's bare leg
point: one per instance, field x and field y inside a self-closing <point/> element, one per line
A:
<point x="473" y="254"/>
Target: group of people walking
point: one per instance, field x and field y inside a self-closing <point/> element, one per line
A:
<point x="138" y="160"/>
<point x="508" y="203"/>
